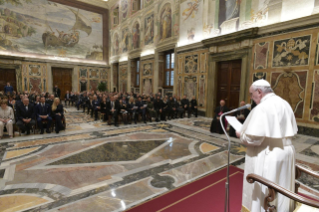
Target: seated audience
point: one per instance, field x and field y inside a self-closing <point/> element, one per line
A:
<point x="6" y="118"/>
<point x="215" y="126"/>
<point x="25" y="116"/>
<point x="57" y="114"/>
<point x="43" y="113"/>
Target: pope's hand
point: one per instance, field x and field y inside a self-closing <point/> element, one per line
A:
<point x="238" y="134"/>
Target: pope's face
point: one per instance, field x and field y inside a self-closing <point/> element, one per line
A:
<point x="255" y="94"/>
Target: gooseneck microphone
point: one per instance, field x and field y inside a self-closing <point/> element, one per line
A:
<point x="226" y="208"/>
<point x="239" y="108"/>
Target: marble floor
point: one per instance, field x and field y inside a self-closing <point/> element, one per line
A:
<point x="95" y="167"/>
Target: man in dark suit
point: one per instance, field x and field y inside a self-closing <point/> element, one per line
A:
<point x="194" y="106"/>
<point x="96" y="107"/>
<point x="50" y="100"/>
<point x="8" y="89"/>
<point x="141" y="109"/>
<point x="185" y="105"/>
<point x="114" y="107"/>
<point x="215" y="126"/>
<point x="158" y="106"/>
<point x="43" y="112"/>
<point x="67" y="98"/>
<point x="89" y="105"/>
<point x="26" y="116"/>
<point x="56" y="91"/>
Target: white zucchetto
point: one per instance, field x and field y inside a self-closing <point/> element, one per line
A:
<point x="261" y="83"/>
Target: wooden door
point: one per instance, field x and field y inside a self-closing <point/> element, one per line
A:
<point x="8" y="75"/>
<point x="62" y="77"/>
<point x="228" y="83"/>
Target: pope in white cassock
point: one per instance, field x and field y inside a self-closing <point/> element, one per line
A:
<point x="267" y="133"/>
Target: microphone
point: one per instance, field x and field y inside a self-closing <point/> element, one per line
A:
<point x="240" y="108"/>
<point x="226" y="208"/>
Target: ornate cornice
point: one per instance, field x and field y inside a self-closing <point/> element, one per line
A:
<point x="98" y="3"/>
<point x="232" y="37"/>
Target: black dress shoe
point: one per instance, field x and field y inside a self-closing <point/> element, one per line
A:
<point x="48" y="131"/>
<point x="41" y="132"/>
<point x="28" y="132"/>
<point x="57" y="132"/>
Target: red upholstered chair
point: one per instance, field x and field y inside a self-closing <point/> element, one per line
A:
<point x="303" y="201"/>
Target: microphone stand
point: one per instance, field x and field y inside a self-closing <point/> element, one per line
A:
<point x="227" y="182"/>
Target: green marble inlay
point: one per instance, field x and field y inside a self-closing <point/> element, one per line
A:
<point x="112" y="152"/>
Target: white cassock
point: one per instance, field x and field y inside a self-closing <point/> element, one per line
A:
<point x="267" y="132"/>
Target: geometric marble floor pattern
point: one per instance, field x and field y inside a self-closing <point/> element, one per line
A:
<point x="104" y="168"/>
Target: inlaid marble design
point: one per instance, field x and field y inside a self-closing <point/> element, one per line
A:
<point x="107" y="168"/>
<point x="200" y="122"/>
<point x="77" y="117"/>
<point x="116" y="199"/>
<point x="16" y="153"/>
<point x="196" y="169"/>
<point x="205" y="147"/>
<point x="19" y="202"/>
<point x="119" y="151"/>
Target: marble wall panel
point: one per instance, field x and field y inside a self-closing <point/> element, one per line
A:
<point x="191" y="74"/>
<point x="291" y="86"/>
<point x="291" y="52"/>
<point x="34" y="77"/>
<point x="147" y="76"/>
<point x="190" y="86"/>
<point x="179" y="86"/>
<point x="93" y="84"/>
<point x="35" y="84"/>
<point x="314" y="112"/>
<point x="204" y="62"/>
<point x="147" y="69"/>
<point x="259" y="75"/>
<point x="191" y="64"/>
<point x="261" y="55"/>
<point x="202" y="91"/>
<point x="94" y="73"/>
<point x="90" y="77"/>
<point x="147" y="86"/>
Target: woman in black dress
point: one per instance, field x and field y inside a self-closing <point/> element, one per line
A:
<point x="57" y="114"/>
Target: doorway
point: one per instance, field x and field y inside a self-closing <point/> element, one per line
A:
<point x="228" y="83"/>
<point x="62" y="77"/>
<point x="8" y="75"/>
